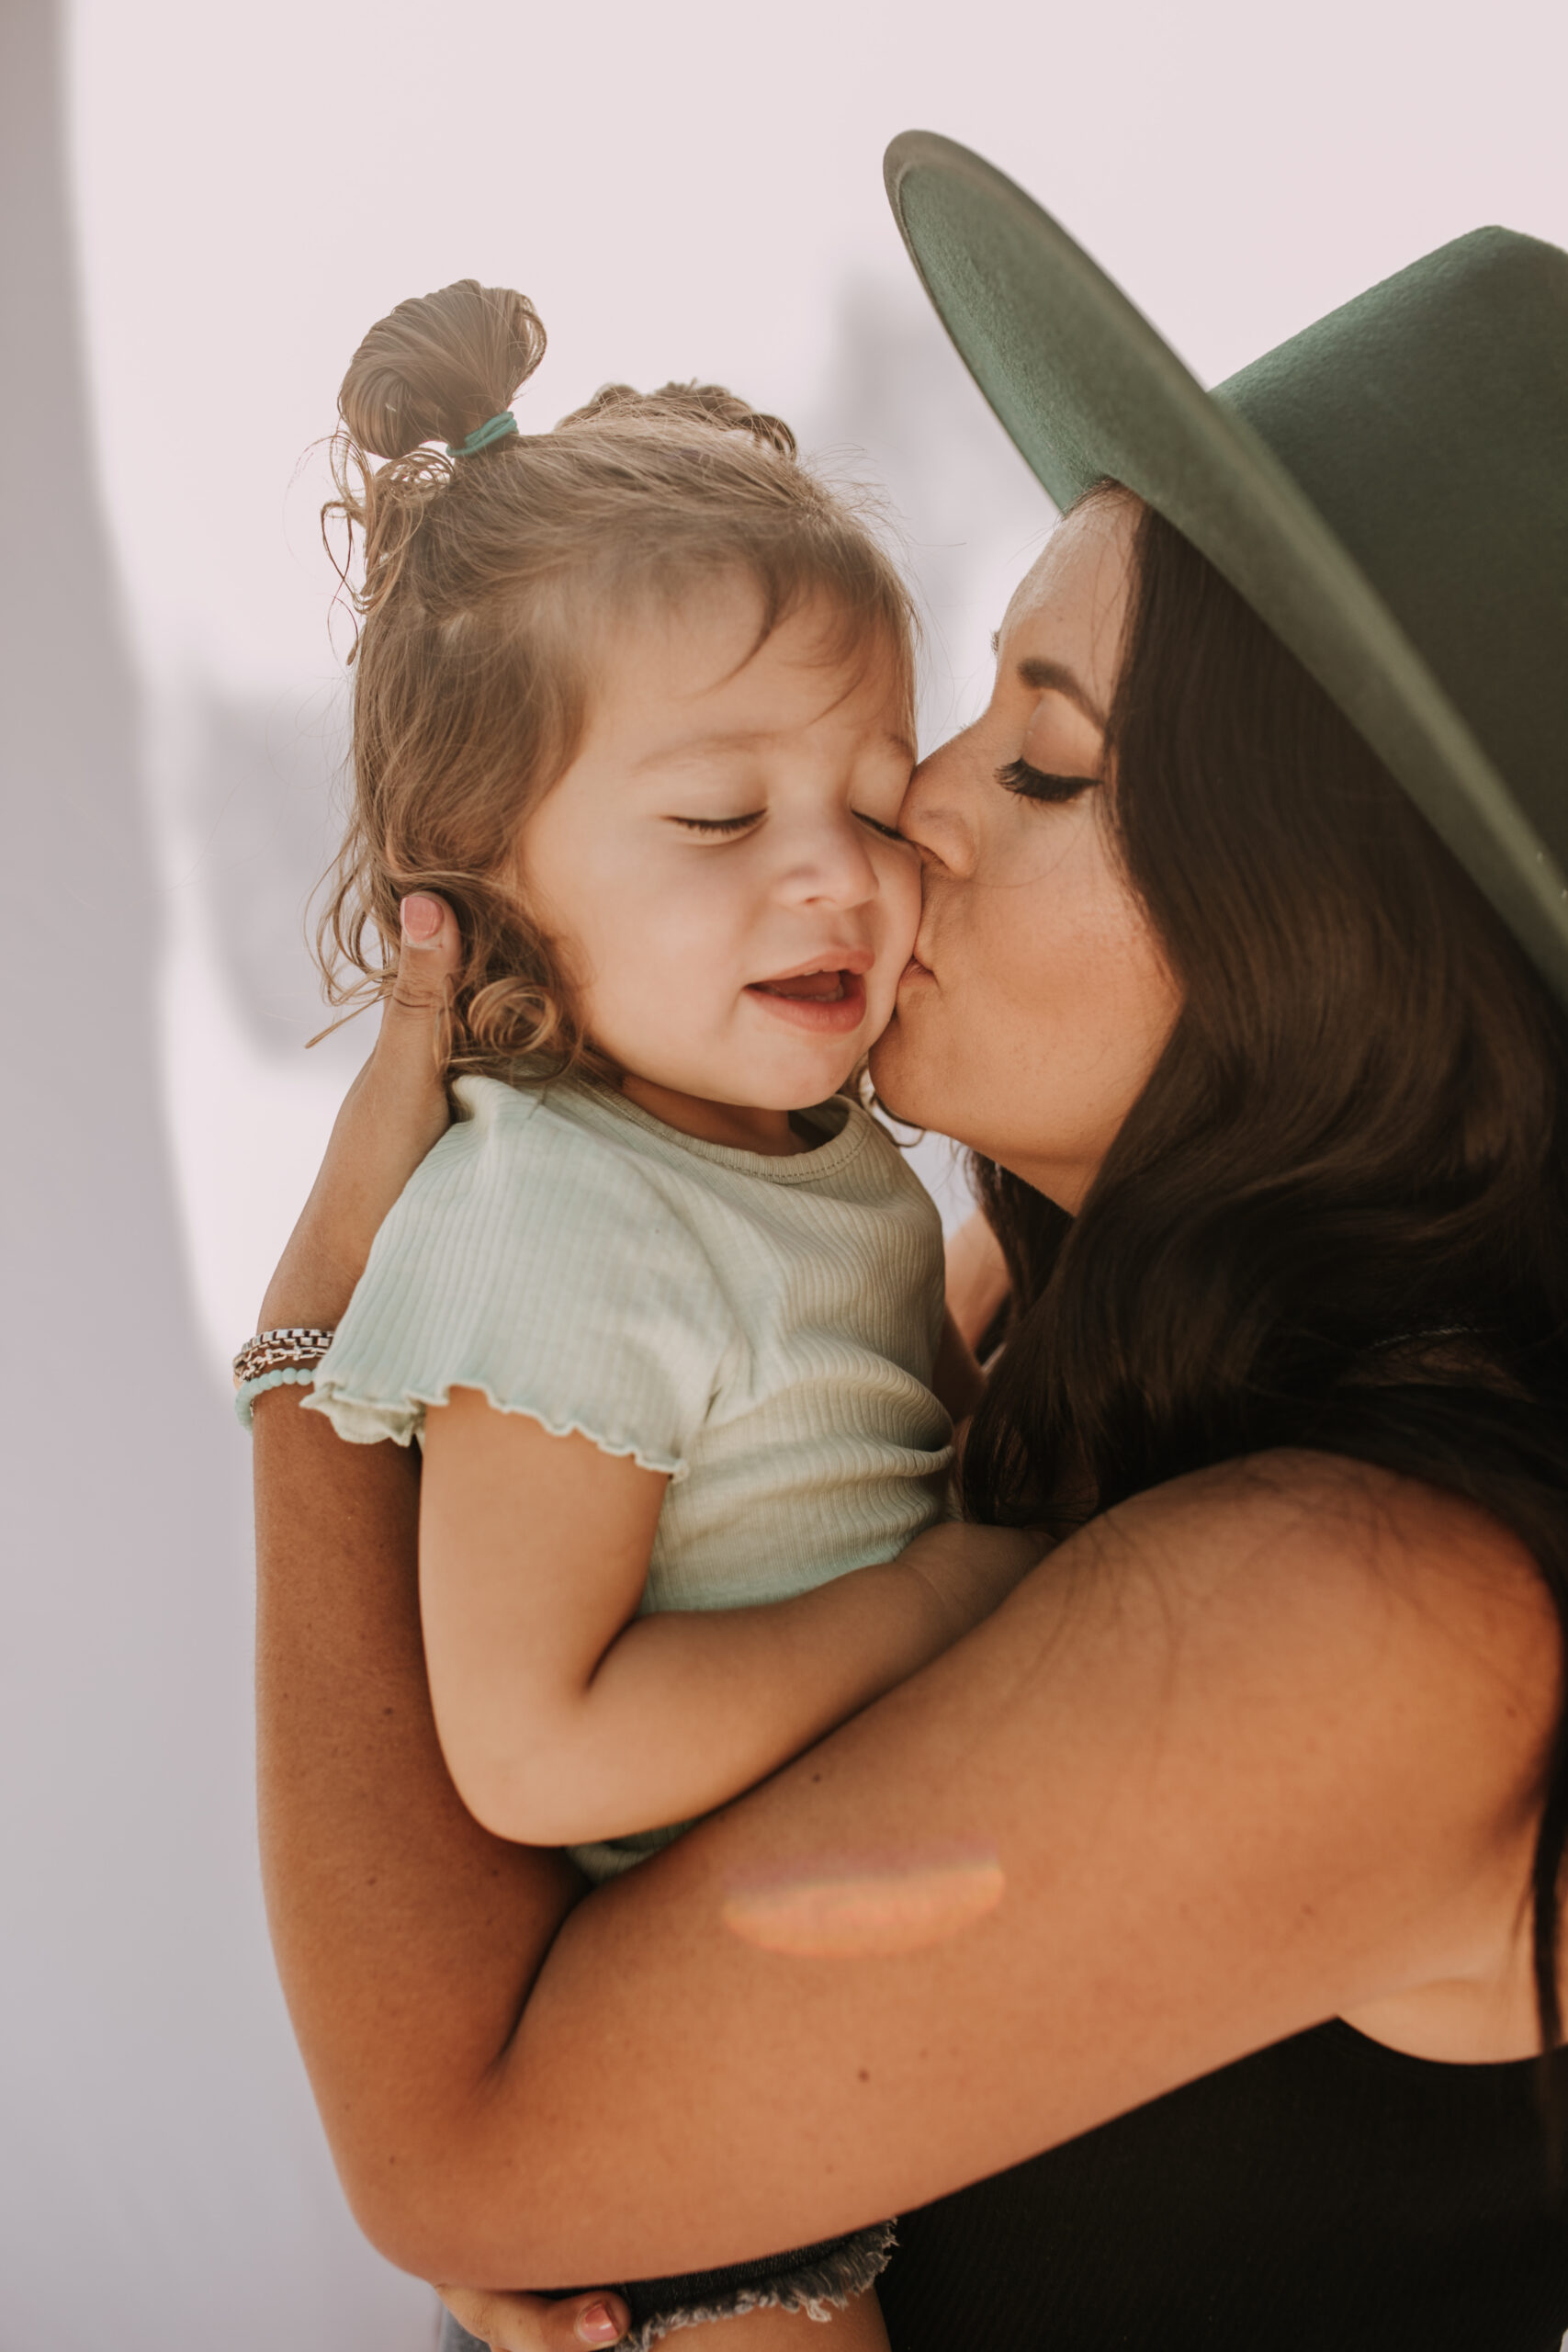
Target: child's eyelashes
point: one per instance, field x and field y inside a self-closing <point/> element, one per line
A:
<point x="716" y="827"/>
<point x="1032" y="783"/>
<point x="722" y="827"/>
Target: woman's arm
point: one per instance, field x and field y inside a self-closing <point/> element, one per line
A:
<point x="383" y="1893"/>
<point x="359" y="1822"/>
<point x="1251" y="1752"/>
<point x="564" y="1716"/>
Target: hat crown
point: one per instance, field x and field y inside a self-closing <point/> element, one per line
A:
<point x="1427" y="422"/>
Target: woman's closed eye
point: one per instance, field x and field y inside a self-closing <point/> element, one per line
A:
<point x="1033" y="783"/>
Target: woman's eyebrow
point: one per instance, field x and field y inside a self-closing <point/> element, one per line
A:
<point x="1045" y="677"/>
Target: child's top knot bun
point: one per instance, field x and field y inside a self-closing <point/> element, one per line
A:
<point x="707" y="404"/>
<point x="438" y="367"/>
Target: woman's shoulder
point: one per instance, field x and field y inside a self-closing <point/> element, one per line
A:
<point x="1328" y="1505"/>
<point x="1296" y="1554"/>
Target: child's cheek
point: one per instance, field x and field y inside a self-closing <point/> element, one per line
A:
<point x="901" y="894"/>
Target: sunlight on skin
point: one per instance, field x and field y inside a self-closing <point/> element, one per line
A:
<point x="850" y="1910"/>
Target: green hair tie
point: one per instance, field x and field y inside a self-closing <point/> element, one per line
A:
<point x="495" y="428"/>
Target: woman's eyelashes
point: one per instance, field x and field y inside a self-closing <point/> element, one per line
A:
<point x="1033" y="783"/>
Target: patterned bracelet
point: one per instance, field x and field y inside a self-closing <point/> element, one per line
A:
<point x="276" y="1359"/>
<point x="296" y="1344"/>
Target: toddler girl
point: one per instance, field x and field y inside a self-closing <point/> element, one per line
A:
<point x="663" y="1307"/>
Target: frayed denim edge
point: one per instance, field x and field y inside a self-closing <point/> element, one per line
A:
<point x="848" y="2272"/>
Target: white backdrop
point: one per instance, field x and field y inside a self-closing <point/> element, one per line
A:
<point x="203" y="210"/>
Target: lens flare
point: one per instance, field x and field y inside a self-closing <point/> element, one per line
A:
<point x="865" y="1908"/>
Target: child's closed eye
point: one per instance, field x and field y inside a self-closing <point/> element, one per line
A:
<point x="722" y="828"/>
<point x="717" y="827"/>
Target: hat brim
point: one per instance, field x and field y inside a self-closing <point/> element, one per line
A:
<point x="1087" y="391"/>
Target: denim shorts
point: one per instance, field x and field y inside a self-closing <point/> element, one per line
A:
<point x="807" y="2279"/>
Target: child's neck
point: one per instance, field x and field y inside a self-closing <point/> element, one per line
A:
<point x="734" y="1124"/>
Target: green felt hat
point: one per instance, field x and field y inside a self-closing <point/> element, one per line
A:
<point x="1388" y="489"/>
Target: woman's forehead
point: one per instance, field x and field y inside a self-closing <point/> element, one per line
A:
<point x="1070" y="608"/>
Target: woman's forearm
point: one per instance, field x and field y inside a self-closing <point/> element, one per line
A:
<point x="1203" y="1729"/>
<point x="406" y="1936"/>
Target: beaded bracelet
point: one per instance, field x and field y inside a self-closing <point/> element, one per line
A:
<point x="287" y="1376"/>
<point x="288" y="1357"/>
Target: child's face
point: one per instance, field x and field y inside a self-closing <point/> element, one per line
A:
<point x="719" y="863"/>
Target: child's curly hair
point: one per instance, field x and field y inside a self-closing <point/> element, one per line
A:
<point x="492" y="583"/>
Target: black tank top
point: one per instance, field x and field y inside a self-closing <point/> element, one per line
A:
<point x="1327" y="2194"/>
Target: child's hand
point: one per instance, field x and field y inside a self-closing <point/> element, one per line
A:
<point x="972" y="1569"/>
<point x="393" y="1114"/>
<point x="532" y="2322"/>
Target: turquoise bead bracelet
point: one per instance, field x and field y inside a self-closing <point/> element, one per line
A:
<point x="288" y="1376"/>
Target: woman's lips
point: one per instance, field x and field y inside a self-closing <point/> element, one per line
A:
<point x="827" y="1004"/>
<point x="913" y="971"/>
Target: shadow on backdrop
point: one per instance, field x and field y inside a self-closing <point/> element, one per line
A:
<point x="163" y="2182"/>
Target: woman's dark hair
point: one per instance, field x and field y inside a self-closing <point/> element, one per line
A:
<point x="1337" y="1216"/>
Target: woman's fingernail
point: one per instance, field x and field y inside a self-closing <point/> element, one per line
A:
<point x="421" y="918"/>
<point x="595" y="2326"/>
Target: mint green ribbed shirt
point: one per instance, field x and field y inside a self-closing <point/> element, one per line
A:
<point x="762" y="1329"/>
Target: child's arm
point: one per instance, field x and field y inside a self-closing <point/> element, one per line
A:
<point x="564" y="1718"/>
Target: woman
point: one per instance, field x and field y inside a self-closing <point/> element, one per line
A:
<point x="1267" y="1760"/>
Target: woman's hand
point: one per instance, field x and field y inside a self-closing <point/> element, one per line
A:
<point x="532" y="2323"/>
<point x="393" y="1113"/>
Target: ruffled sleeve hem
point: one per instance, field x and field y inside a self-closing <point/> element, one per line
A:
<point x="366" y="1421"/>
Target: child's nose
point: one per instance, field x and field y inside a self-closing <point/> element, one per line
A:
<point x="832" y="862"/>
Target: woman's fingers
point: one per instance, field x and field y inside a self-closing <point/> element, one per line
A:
<point x="533" y="2323"/>
<point x="429" y="953"/>
<point x="405" y="1063"/>
<point x="403" y="1074"/>
<point x="393" y="1113"/>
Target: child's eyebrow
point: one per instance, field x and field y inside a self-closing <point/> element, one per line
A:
<point x="705" y="747"/>
<point x="694" y="748"/>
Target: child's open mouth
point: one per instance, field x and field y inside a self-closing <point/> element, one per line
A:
<point x="830" y="1002"/>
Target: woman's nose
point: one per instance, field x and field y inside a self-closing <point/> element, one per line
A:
<point x="938" y="813"/>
